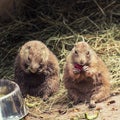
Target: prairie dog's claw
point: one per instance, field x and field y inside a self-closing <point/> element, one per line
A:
<point x="76" y="71"/>
<point x="85" y="68"/>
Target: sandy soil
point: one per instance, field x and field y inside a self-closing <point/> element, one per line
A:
<point x="108" y="110"/>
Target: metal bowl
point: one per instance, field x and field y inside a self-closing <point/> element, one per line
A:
<point x="12" y="105"/>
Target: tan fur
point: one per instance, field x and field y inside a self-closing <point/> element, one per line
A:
<point x="92" y="83"/>
<point x="37" y="70"/>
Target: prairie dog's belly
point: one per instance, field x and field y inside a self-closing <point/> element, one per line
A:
<point x="34" y="80"/>
<point x="85" y="86"/>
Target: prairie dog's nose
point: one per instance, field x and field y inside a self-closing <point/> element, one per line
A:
<point x="34" y="68"/>
<point x="81" y="62"/>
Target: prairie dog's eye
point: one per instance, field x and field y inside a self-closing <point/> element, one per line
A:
<point x="29" y="59"/>
<point x="40" y="65"/>
<point x="88" y="53"/>
<point x="76" y="52"/>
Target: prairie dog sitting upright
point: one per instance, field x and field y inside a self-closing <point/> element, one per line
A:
<point x="86" y="77"/>
<point x="37" y="70"/>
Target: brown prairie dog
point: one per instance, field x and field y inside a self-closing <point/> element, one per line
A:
<point x="37" y="70"/>
<point x="86" y="77"/>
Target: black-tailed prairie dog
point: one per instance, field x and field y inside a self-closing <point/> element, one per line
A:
<point x="37" y="70"/>
<point x="86" y="77"/>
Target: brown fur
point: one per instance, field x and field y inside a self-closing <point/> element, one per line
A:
<point x="92" y="83"/>
<point x="37" y="70"/>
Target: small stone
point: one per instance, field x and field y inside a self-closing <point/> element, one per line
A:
<point x="92" y="105"/>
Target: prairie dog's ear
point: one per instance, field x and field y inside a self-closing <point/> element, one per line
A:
<point x="24" y="48"/>
<point x="24" y="51"/>
<point x="74" y="48"/>
<point x="75" y="45"/>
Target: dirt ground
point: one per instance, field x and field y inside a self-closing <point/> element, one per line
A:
<point x="107" y="110"/>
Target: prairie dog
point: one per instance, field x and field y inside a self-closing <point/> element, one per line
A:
<point x="86" y="77"/>
<point x="37" y="70"/>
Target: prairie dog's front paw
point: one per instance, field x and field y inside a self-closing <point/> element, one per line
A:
<point x="85" y="68"/>
<point x="75" y="71"/>
<point x="45" y="97"/>
<point x="92" y="104"/>
<point x="88" y="71"/>
<point x="47" y="73"/>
